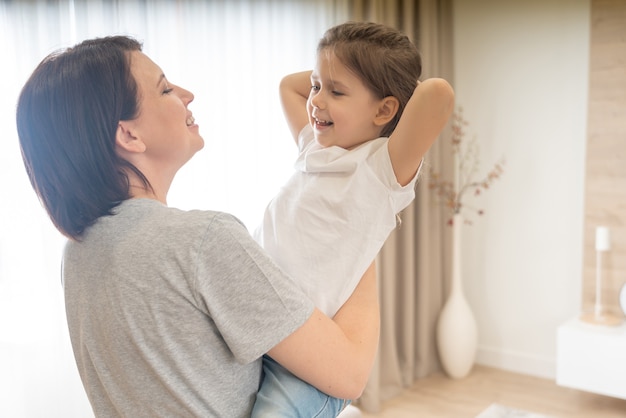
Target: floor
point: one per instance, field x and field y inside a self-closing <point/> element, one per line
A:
<point x="442" y="397"/>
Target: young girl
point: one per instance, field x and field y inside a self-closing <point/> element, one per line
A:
<point x="363" y="123"/>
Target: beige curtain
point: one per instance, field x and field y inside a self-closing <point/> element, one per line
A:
<point x="413" y="265"/>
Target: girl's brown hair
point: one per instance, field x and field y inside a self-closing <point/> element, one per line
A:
<point x="382" y="57"/>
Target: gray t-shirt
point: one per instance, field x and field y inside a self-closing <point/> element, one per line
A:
<point x="169" y="312"/>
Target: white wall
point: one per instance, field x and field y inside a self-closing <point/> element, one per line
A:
<point x="521" y="75"/>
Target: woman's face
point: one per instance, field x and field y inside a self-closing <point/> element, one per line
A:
<point x="164" y="123"/>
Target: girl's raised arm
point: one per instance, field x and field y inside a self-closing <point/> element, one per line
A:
<point x="423" y="119"/>
<point x="294" y="92"/>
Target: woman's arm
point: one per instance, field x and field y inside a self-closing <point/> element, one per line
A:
<point x="294" y="92"/>
<point x="422" y="121"/>
<point x="336" y="356"/>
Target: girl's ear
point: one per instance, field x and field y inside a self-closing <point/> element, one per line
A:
<point x="126" y="140"/>
<point x="387" y="110"/>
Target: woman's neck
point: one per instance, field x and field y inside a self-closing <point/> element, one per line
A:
<point x="140" y="192"/>
<point x="153" y="190"/>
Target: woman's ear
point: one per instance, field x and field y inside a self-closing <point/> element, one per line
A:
<point x="387" y="110"/>
<point x="126" y="140"/>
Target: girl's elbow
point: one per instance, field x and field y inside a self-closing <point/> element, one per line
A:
<point x="446" y="94"/>
<point x="438" y="87"/>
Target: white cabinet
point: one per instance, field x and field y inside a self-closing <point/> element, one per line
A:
<point x="592" y="358"/>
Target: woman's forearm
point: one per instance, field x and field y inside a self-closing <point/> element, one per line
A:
<point x="337" y="355"/>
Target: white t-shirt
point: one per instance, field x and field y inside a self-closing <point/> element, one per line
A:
<point x="330" y="220"/>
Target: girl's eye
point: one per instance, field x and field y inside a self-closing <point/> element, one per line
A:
<point x="315" y="88"/>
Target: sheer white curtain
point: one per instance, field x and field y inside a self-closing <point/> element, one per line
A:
<point x="231" y="54"/>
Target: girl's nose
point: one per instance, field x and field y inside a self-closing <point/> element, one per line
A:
<point x="316" y="101"/>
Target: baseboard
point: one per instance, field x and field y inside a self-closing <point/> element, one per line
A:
<point x="517" y="362"/>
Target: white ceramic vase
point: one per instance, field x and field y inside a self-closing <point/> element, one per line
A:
<point x="457" y="334"/>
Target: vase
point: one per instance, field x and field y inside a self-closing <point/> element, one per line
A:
<point x="457" y="335"/>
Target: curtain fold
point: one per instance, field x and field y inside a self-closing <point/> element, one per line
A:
<point x="413" y="265"/>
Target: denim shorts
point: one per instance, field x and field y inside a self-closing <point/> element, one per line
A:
<point x="283" y="395"/>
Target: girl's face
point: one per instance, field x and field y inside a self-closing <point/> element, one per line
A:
<point x="342" y="110"/>
<point x="164" y="123"/>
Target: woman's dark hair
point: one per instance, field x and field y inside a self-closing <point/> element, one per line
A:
<point x="67" y="116"/>
<point x="382" y="57"/>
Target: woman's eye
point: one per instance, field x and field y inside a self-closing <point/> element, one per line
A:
<point x="337" y="93"/>
<point x="168" y="91"/>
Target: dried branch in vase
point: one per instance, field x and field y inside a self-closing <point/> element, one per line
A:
<point x="466" y="157"/>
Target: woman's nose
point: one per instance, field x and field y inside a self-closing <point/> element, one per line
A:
<point x="185" y="95"/>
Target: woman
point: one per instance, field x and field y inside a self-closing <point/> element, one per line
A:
<point x="169" y="311"/>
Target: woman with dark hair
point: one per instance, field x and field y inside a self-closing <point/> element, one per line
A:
<point x="169" y="311"/>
